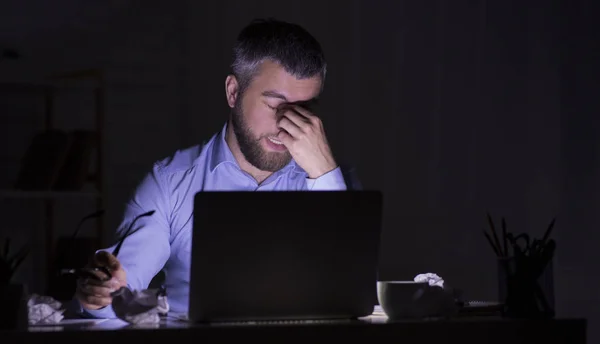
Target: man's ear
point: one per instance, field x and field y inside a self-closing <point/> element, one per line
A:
<point x="232" y="88"/>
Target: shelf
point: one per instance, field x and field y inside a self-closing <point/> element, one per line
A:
<point x="27" y="79"/>
<point x="22" y="194"/>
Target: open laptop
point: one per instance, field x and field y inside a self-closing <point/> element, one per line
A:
<point x="284" y="255"/>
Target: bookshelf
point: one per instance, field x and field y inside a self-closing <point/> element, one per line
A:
<point x="91" y="80"/>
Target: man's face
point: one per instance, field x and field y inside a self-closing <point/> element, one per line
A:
<point x="256" y="112"/>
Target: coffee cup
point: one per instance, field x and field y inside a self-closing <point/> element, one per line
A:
<point x="402" y="299"/>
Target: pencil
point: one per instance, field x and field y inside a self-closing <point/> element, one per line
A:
<point x="548" y="231"/>
<point x="489" y="239"/>
<point x="496" y="240"/>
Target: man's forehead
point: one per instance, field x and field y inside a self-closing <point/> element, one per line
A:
<point x="275" y="82"/>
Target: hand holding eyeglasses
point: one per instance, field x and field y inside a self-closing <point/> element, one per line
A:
<point x="97" y="282"/>
<point x="104" y="275"/>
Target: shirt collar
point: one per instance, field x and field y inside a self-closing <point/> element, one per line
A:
<point x="221" y="154"/>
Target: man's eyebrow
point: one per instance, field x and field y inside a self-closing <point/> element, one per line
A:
<point x="274" y="94"/>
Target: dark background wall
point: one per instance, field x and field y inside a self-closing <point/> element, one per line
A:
<point x="451" y="108"/>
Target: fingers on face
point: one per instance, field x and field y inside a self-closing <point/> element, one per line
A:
<point x="296" y="124"/>
<point x="285" y="137"/>
<point x="290" y="127"/>
<point x="304" y="112"/>
<point x="307" y="116"/>
<point x="300" y="119"/>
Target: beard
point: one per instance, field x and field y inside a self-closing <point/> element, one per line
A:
<point x="250" y="145"/>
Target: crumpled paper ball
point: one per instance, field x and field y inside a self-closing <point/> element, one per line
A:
<point x="140" y="307"/>
<point x="438" y="299"/>
<point x="44" y="310"/>
<point x="433" y="279"/>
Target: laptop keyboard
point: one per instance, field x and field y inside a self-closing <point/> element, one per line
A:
<point x="281" y="322"/>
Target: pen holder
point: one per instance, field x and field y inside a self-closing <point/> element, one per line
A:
<point x="526" y="287"/>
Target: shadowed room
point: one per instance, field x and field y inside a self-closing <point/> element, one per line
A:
<point x="472" y="119"/>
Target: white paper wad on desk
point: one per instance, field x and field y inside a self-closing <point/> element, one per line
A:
<point x="140" y="306"/>
<point x="44" y="310"/>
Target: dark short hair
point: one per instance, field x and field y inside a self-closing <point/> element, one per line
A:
<point x="290" y="45"/>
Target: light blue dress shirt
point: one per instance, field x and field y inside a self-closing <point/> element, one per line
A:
<point x="163" y="240"/>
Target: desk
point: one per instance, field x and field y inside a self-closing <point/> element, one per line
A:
<point x="482" y="330"/>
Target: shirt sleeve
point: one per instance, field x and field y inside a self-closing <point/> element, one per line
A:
<point x="147" y="247"/>
<point x="330" y="181"/>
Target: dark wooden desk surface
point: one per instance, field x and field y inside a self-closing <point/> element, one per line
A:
<point x="460" y="330"/>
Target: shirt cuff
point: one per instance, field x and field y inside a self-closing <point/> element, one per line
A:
<point x="330" y="181"/>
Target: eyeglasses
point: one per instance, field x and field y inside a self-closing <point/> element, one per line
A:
<point x="91" y="272"/>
